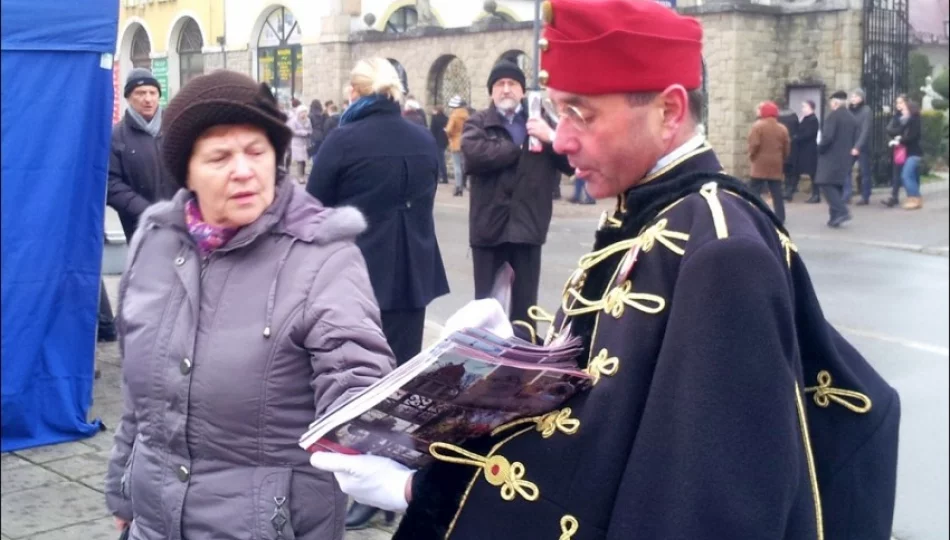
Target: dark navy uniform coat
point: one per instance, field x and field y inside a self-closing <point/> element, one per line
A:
<point x="698" y="424"/>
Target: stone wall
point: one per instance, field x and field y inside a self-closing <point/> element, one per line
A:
<point x="753" y="53"/>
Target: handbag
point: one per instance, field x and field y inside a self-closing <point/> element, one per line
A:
<point x="900" y="154"/>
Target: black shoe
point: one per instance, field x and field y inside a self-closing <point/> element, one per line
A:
<point x="890" y="203"/>
<point x="457" y="193"/>
<point x="106" y="334"/>
<point x="788" y="197"/>
<point x="862" y="202"/>
<point x="838" y="221"/>
<point x="359" y="516"/>
<point x="814" y="199"/>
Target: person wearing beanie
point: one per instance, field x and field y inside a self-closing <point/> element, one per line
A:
<point x="137" y="176"/>
<point x="453" y="130"/>
<point x="245" y="314"/>
<point x="862" y="147"/>
<point x="711" y="411"/>
<point x="839" y="134"/>
<point x="769" y="146"/>
<point x="511" y="200"/>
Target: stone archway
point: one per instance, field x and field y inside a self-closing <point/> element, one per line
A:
<point x="185" y="59"/>
<point x="448" y="77"/>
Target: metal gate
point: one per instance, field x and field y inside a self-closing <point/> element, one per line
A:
<point x="884" y="75"/>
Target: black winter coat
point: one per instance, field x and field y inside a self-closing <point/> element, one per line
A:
<point x="806" y="146"/>
<point x="708" y="351"/>
<point x="318" y="133"/>
<point x="437" y="128"/>
<point x="790" y="120"/>
<point x="387" y="168"/>
<point x="512" y="188"/>
<point x="137" y="173"/>
<point x="838" y="136"/>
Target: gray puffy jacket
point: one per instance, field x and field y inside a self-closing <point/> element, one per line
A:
<point x="227" y="361"/>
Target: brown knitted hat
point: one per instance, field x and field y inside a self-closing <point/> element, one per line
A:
<point x="219" y="98"/>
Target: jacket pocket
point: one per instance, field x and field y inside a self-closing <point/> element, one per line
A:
<point x="125" y="485"/>
<point x="272" y="503"/>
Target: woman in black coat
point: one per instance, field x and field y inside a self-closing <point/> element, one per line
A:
<point x="806" y="149"/>
<point x="387" y="167"/>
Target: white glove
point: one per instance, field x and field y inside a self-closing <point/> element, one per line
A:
<point x="372" y="480"/>
<point x="486" y="314"/>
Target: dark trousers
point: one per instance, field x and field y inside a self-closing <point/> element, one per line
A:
<point x="106" y="319"/>
<point x="775" y="189"/>
<point x="403" y="330"/>
<point x="896" y="182"/>
<point x="443" y="171"/>
<point x="863" y="160"/>
<point x="791" y="183"/>
<point x="834" y="195"/>
<point x="525" y="260"/>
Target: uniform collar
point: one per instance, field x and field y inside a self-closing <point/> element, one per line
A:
<point x="695" y="142"/>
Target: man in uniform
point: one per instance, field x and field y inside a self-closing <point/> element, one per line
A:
<point x="724" y="406"/>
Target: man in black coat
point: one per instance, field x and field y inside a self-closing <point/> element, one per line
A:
<point x="723" y="406"/>
<point x="511" y="190"/>
<point x="789" y="119"/>
<point x="137" y="175"/>
<point x="437" y="127"/>
<point x="835" y="160"/>
<point x="805" y="143"/>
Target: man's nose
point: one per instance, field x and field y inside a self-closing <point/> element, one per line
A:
<point x="564" y="140"/>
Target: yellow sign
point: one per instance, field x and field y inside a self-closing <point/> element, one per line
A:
<point x="284" y="64"/>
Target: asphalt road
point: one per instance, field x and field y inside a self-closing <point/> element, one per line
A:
<point x="891" y="304"/>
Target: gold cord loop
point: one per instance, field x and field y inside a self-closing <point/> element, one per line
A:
<point x="558" y="421"/>
<point x="498" y="471"/>
<point x="825" y="394"/>
<point x="569" y="527"/>
<point x="603" y="364"/>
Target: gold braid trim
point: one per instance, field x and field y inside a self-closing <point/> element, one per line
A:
<point x="537" y="313"/>
<point x="788" y="246"/>
<point x="558" y="421"/>
<point x="810" y="460"/>
<point x="603" y="364"/>
<point x="498" y="471"/>
<point x="614" y="302"/>
<point x="529" y="328"/>
<point x="709" y="192"/>
<point x="569" y="527"/>
<point x="825" y="394"/>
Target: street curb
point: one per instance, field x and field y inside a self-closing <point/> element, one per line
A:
<point x="939" y="251"/>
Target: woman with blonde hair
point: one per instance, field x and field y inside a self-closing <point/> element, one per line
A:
<point x="388" y="168"/>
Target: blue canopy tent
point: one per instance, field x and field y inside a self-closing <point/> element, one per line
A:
<point x="57" y="100"/>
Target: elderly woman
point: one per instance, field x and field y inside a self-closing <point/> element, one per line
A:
<point x="769" y="147"/>
<point x="388" y="168"/>
<point x="245" y="312"/>
<point x="302" y="129"/>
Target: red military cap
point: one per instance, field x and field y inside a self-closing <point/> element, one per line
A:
<point x="617" y="46"/>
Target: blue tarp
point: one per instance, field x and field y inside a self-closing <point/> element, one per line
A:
<point x="56" y="122"/>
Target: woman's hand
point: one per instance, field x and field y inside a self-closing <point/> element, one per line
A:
<point x="121" y="524"/>
<point x="371" y="480"/>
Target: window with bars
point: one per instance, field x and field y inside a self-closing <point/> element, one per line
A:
<point x="450" y="78"/>
<point x="190" y="59"/>
<point x="280" y="56"/>
<point x="402" y="19"/>
<point x="141" y="50"/>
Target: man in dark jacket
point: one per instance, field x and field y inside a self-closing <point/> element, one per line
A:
<point x="806" y="150"/>
<point x="439" y="122"/>
<point x="789" y="119"/>
<point x="511" y="190"/>
<point x="835" y="159"/>
<point x="862" y="147"/>
<point x="713" y="414"/>
<point x="137" y="175"/>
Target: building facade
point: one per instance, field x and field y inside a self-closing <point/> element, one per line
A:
<point x="755" y="49"/>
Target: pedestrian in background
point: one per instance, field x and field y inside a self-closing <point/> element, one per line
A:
<point x="299" y="124"/>
<point x="512" y="190"/>
<point x="388" y="169"/>
<point x="414" y="113"/>
<point x="909" y="139"/>
<point x="768" y="149"/>
<point x="789" y="119"/>
<point x="835" y="159"/>
<point x="806" y="150"/>
<point x="246" y="313"/>
<point x="453" y="131"/>
<point x="332" y="121"/>
<point x="439" y="122"/>
<point x="862" y="148"/>
<point x="894" y="129"/>
<point x="318" y="118"/>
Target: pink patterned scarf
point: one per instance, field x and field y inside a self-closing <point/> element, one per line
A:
<point x="208" y="237"/>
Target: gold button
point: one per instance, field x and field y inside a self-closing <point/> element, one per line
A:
<point x="543" y="77"/>
<point x="547" y="12"/>
<point x="544" y="45"/>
